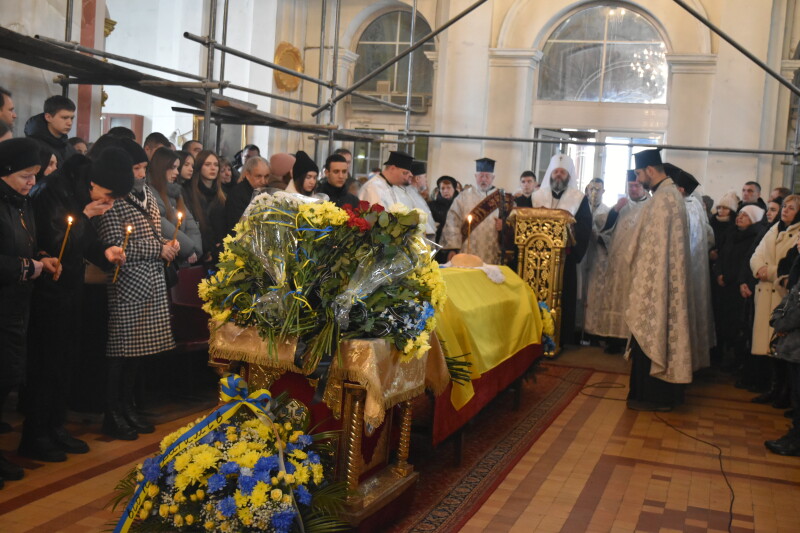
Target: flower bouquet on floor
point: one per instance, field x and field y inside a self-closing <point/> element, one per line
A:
<point x="248" y="466"/>
<point x="300" y="269"/>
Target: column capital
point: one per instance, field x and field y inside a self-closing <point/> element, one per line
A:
<point x="789" y="67"/>
<point x="515" y="57"/>
<point x="692" y="63"/>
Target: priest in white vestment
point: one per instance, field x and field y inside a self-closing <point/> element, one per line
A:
<point x="482" y="202"/>
<point x="388" y="187"/>
<point x="610" y="281"/>
<point x="701" y="241"/>
<point x="591" y="260"/>
<point x="661" y="344"/>
<point x="417" y="190"/>
<point x="559" y="190"/>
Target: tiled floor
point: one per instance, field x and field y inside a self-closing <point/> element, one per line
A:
<point x="598" y="467"/>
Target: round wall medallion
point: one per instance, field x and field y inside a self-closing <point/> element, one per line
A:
<point x="288" y="56"/>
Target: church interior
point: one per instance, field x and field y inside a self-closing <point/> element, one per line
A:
<point x="551" y="446"/>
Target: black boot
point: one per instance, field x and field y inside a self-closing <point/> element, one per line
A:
<point x="789" y="444"/>
<point x="67" y="442"/>
<point x="9" y="470"/>
<point x="115" y="425"/>
<point x="128" y="399"/>
<point x="40" y="448"/>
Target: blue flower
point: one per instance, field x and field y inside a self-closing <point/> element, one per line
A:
<point x="151" y="470"/>
<point x="227" y="507"/>
<point x="216" y="482"/>
<point x="302" y="495"/>
<point x="246" y="483"/>
<point x="171" y="467"/>
<point x="266" y="464"/>
<point x="262" y="475"/>
<point x="229" y="468"/>
<point x="213" y="436"/>
<point x="313" y="457"/>
<point x="170" y="481"/>
<point x="305" y="440"/>
<point x="282" y="521"/>
<point x="290" y="469"/>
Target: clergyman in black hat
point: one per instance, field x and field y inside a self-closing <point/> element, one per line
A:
<point x="660" y="345"/>
<point x="388" y="187"/>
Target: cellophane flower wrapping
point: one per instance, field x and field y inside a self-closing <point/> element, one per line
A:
<point x="370" y="265"/>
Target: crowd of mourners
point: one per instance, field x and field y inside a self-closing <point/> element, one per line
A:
<point x="114" y="219"/>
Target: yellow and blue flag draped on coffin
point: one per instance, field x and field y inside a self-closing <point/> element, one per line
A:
<point x="488" y="321"/>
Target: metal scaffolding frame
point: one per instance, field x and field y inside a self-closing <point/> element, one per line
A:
<point x="231" y="111"/>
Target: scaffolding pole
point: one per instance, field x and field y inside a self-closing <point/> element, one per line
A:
<point x="399" y="56"/>
<point x="234" y="52"/>
<point x="410" y="77"/>
<point x="67" y="37"/>
<point x="222" y="65"/>
<point x="334" y="72"/>
<point x="322" y="36"/>
<point x="569" y="141"/>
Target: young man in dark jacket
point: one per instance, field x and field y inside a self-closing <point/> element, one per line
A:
<point x="53" y="126"/>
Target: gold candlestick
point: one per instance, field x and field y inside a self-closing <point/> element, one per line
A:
<point x="469" y="231"/>
<point x="124" y="245"/>
<point x="177" y="227"/>
<point x="64" y="242"/>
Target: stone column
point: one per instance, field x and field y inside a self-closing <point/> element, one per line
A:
<point x="460" y="92"/>
<point x="690" y="100"/>
<point x="511" y="77"/>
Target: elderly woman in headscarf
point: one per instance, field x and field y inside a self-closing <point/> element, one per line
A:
<point x="559" y="190"/>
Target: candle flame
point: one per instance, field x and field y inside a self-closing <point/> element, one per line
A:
<point x="180" y="215"/>
<point x="469" y="218"/>
<point x="69" y="220"/>
<point x="130" y="229"/>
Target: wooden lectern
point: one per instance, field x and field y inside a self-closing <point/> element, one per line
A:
<point x="542" y="237"/>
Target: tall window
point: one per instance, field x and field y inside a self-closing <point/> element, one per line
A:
<point x="605" y="54"/>
<point x="384" y="38"/>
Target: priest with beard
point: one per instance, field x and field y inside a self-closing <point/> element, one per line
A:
<point x="610" y="281"/>
<point x="559" y="190"/>
<point x="661" y="344"/>
<point x="482" y="202"/>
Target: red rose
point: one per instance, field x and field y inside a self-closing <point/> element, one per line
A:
<point x="377" y="208"/>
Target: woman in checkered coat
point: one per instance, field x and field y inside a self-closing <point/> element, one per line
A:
<point x="138" y="310"/>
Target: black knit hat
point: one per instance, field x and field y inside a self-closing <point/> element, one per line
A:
<point x="302" y="165"/>
<point x="135" y="152"/>
<point x="18" y="154"/>
<point x="113" y="170"/>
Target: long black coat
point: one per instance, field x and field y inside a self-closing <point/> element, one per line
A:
<point x="210" y="208"/>
<point x="17" y="250"/>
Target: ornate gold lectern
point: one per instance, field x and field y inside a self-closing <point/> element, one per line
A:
<point x="542" y="237"/>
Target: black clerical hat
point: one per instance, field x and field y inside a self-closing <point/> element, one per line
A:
<point x="418" y="168"/>
<point x="631" y="175"/>
<point x="484" y="164"/>
<point x="400" y="160"/>
<point x="681" y="178"/>
<point x="648" y="158"/>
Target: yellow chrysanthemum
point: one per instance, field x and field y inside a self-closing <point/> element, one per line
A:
<point x="316" y="472"/>
<point x="246" y="516"/>
<point x="240" y="499"/>
<point x="249" y="459"/>
<point x="302" y="475"/>
<point x="259" y="495"/>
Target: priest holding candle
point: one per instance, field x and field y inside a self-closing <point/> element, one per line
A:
<point x="67" y="207"/>
<point x="477" y="235"/>
<point x="138" y="309"/>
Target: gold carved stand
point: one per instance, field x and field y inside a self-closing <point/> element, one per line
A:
<point x="542" y="237"/>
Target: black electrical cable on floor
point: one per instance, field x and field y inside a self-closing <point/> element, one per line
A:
<point x="614" y="385"/>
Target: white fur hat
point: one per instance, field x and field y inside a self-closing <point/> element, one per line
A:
<point x="729" y="200"/>
<point x="753" y="211"/>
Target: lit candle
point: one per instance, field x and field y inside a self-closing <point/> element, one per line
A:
<point x="177" y="227"/>
<point x="64" y="242"/>
<point x="124" y="245"/>
<point x="469" y="231"/>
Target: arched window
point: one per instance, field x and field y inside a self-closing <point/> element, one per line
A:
<point x="384" y="38"/>
<point x="605" y="54"/>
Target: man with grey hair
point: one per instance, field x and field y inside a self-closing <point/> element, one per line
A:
<point x="254" y="176"/>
